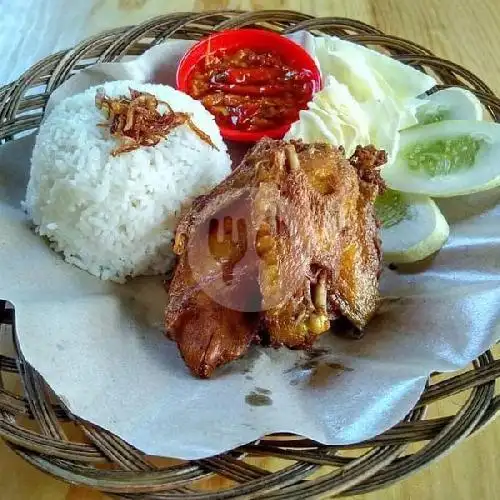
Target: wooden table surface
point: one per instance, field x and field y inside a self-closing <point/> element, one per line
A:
<point x="462" y="30"/>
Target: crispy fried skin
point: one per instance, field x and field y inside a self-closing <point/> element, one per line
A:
<point x="316" y="253"/>
<point x="356" y="292"/>
<point x="332" y="200"/>
<point x="207" y="333"/>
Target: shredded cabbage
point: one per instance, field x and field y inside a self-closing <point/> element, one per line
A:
<point x="367" y="97"/>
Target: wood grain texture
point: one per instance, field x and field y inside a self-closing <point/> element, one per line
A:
<point x="461" y="30"/>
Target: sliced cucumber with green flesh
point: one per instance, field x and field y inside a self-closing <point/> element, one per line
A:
<point x="448" y="158"/>
<point x="412" y="226"/>
<point x="453" y="103"/>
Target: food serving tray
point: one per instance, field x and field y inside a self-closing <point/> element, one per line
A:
<point x="38" y="427"/>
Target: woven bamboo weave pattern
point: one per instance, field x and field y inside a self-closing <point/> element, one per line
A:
<point x="37" y="426"/>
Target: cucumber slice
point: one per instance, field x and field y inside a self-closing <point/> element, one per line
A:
<point x="453" y="103"/>
<point x="412" y="226"/>
<point x="448" y="158"/>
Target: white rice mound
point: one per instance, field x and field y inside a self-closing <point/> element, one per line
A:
<point x="115" y="217"/>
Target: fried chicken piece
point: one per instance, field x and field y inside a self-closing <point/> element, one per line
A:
<point x="310" y="253"/>
<point x="208" y="333"/>
<point x="340" y="246"/>
<point x="356" y="291"/>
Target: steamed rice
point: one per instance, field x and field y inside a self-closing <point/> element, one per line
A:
<point x="115" y="216"/>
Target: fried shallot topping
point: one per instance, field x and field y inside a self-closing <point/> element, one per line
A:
<point x="135" y="121"/>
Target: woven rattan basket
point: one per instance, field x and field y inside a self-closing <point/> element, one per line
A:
<point x="39" y="429"/>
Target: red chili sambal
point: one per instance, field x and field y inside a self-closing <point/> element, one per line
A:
<point x="250" y="90"/>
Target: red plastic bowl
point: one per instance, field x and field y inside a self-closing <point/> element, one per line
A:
<point x="257" y="39"/>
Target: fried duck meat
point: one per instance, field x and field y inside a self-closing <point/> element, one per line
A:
<point x="285" y="245"/>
